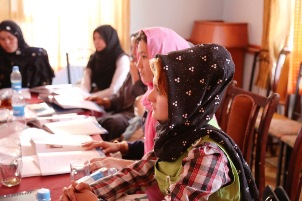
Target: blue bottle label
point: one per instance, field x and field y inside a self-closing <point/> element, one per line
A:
<point x="98" y="175"/>
<point x="16" y="86"/>
<point x="18" y="111"/>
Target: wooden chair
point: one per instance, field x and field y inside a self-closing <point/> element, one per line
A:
<point x="286" y="127"/>
<point x="282" y="110"/>
<point x="238" y="103"/>
<point x="293" y="183"/>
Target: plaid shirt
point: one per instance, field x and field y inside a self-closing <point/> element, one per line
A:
<point x="205" y="170"/>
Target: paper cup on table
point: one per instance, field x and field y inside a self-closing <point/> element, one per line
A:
<point x="10" y="170"/>
<point x="78" y="169"/>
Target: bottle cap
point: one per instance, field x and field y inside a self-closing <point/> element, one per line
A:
<point x="15" y="68"/>
<point x="43" y="194"/>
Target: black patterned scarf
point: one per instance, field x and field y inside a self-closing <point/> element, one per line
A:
<point x="197" y="79"/>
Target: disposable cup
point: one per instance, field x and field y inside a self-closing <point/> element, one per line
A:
<point x="10" y="169"/>
<point x="79" y="168"/>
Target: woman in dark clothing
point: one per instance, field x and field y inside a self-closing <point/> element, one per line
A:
<point x="108" y="67"/>
<point x="32" y="61"/>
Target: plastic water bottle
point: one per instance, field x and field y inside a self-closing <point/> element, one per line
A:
<point x="16" y="79"/>
<point x="43" y="194"/>
<point x="18" y="104"/>
<point x="18" y="101"/>
<point x="102" y="172"/>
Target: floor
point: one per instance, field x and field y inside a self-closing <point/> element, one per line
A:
<point x="271" y="171"/>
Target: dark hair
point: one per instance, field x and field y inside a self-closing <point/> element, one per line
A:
<point x="135" y="34"/>
<point x="160" y="74"/>
<point x="141" y="36"/>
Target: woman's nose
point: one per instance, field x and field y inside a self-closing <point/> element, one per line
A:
<point x="138" y="63"/>
<point x="150" y="96"/>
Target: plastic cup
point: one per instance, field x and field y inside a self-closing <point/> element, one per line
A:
<point x="10" y="169"/>
<point x="78" y="169"/>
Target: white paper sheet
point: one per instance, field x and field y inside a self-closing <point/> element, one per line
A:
<point x="86" y="126"/>
<point x="40" y="159"/>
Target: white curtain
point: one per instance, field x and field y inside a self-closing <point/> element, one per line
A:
<point x="62" y="26"/>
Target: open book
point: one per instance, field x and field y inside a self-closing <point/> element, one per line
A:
<point x="75" y="98"/>
<point x="49" y="154"/>
<point x="77" y="126"/>
<point x="67" y="97"/>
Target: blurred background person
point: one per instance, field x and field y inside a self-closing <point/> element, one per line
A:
<point x="108" y="67"/>
<point x="120" y="106"/>
<point x="14" y="51"/>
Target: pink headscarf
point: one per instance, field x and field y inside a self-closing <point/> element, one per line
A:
<point x="160" y="40"/>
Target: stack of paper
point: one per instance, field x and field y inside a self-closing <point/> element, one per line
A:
<point x="40" y="109"/>
<point x="49" y="154"/>
<point x="75" y="98"/>
<point x="50" y="89"/>
<point x="67" y="96"/>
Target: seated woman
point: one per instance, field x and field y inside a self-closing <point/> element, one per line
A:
<point x="119" y="106"/>
<point x="14" y="51"/>
<point x="191" y="160"/>
<point x="108" y="67"/>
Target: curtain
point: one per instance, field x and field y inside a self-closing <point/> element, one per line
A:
<point x="296" y="54"/>
<point x="64" y="26"/>
<point x="276" y="26"/>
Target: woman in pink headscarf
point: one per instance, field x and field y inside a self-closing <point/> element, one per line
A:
<point x="153" y="41"/>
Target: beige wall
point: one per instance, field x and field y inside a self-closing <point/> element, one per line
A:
<point x="179" y="15"/>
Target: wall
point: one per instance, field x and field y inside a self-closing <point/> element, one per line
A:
<point x="252" y="13"/>
<point x="179" y="15"/>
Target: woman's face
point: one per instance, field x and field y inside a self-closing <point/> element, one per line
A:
<point x="8" y="41"/>
<point x="159" y="103"/>
<point x="99" y="42"/>
<point x="143" y="63"/>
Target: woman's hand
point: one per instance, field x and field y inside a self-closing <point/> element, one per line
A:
<point x="78" y="192"/>
<point x="96" y="99"/>
<point x="100" y="101"/>
<point x="109" y="162"/>
<point x="107" y="147"/>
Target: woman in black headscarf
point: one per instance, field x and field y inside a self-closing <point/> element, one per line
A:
<point x="191" y="160"/>
<point x="32" y="61"/>
<point x="108" y="67"/>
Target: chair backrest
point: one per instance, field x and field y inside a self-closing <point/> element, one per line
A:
<point x="274" y="87"/>
<point x="76" y="61"/>
<point x="294" y="178"/>
<point x="278" y="69"/>
<point x="252" y="144"/>
<point x="296" y="110"/>
<point x="237" y="126"/>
